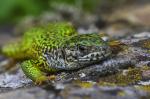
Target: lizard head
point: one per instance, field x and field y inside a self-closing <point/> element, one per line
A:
<point x="86" y="49"/>
<point x="80" y="51"/>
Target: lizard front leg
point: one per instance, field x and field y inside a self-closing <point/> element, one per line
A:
<point x="31" y="70"/>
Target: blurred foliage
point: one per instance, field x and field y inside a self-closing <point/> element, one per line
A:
<point x="87" y="5"/>
<point x="14" y="10"/>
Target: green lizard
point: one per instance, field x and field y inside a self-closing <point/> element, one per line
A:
<point x="54" y="47"/>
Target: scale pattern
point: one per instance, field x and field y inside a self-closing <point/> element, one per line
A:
<point x="44" y="49"/>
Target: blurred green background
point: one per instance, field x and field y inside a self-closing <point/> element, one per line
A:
<point x="12" y="11"/>
<point x="110" y="16"/>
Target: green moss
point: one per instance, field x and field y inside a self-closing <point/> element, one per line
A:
<point x="124" y="78"/>
<point x="146" y="43"/>
<point x="106" y="83"/>
<point x="131" y="76"/>
<point x="84" y="84"/>
<point x="145" y="68"/>
<point x="145" y="88"/>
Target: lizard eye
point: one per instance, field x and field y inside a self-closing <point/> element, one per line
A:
<point x="81" y="47"/>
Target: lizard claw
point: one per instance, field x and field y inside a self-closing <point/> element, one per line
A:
<point x="51" y="77"/>
<point x="43" y="79"/>
<point x="40" y="80"/>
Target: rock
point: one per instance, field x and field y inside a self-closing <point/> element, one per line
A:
<point x="29" y="93"/>
<point x="95" y="92"/>
<point x="14" y="81"/>
<point x="137" y="15"/>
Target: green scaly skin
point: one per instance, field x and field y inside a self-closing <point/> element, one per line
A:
<point x="56" y="46"/>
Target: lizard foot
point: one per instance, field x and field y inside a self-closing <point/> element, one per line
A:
<point x="43" y="79"/>
<point x="40" y="80"/>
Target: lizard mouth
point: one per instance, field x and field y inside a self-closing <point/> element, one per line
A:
<point x="95" y="56"/>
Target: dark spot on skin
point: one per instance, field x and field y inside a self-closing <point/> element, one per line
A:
<point x="91" y="59"/>
<point x="63" y="54"/>
<point x="59" y="56"/>
<point x="103" y="54"/>
<point x="92" y="55"/>
<point x="97" y="55"/>
<point x="82" y="48"/>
